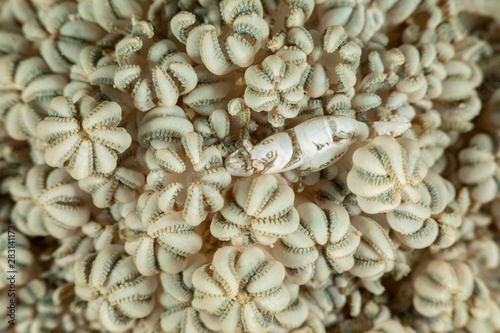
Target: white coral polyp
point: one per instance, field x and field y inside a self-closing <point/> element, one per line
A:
<point x="111" y="281"/>
<point x="244" y="289"/>
<point x="258" y="210"/>
<point x="193" y="188"/>
<point x="376" y="253"/>
<point x="27" y="87"/>
<point x="281" y="166"/>
<point x="110" y="14"/>
<point x="479" y="168"/>
<point x="325" y="242"/>
<point x="167" y="75"/>
<point x="385" y="172"/>
<point x="83" y="137"/>
<point x="275" y="86"/>
<point x="15" y="250"/>
<point x="49" y="202"/>
<point x="177" y="297"/>
<point x="120" y="186"/>
<point x="158" y="241"/>
<point x="390" y="326"/>
<point x="294" y="316"/>
<point x="61" y="34"/>
<point x="215" y="131"/>
<point x="250" y="30"/>
<point x="450" y="296"/>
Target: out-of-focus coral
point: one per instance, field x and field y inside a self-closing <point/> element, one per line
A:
<point x="390" y="326"/>
<point x="450" y="297"/>
<point x="461" y="77"/>
<point x="48" y="202"/>
<point x="479" y="169"/>
<point x="27" y="87"/>
<point x="57" y="30"/>
<point x="110" y="280"/>
<point x="94" y="236"/>
<point x="110" y="14"/>
<point x="15" y="252"/>
<point x="375" y="253"/>
<point x="37" y="310"/>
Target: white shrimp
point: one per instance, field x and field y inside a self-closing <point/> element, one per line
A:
<point x="310" y="146"/>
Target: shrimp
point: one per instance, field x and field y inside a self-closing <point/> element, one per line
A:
<point x="310" y="146"/>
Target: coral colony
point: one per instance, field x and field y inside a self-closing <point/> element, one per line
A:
<point x="203" y="166"/>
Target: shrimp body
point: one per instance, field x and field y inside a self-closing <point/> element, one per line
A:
<point x="310" y="146"/>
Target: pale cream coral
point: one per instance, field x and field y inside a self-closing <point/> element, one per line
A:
<point x="118" y="187"/>
<point x="159" y="79"/>
<point x="16" y="256"/>
<point x="110" y="14"/>
<point x="294" y="316"/>
<point x="376" y="253"/>
<point x="110" y="279"/>
<point x="244" y="290"/>
<point x="58" y="31"/>
<point x="390" y="326"/>
<point x="325" y="242"/>
<point x="49" y="202"/>
<point x="451" y="297"/>
<point x="210" y="93"/>
<point x="215" y="130"/>
<point x="385" y="172"/>
<point x="27" y="87"/>
<point x="203" y="46"/>
<point x="479" y="169"/>
<point x="84" y="136"/>
<point x="336" y="191"/>
<point x="195" y="188"/>
<point x="160" y="92"/>
<point x="37" y="310"/>
<point x="93" y="75"/>
<point x="258" y="210"/>
<point x="419" y="224"/>
<point x="157" y="240"/>
<point x="177" y="295"/>
<point x="274" y="86"/>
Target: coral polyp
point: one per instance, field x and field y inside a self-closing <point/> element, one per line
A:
<point x="249" y="166"/>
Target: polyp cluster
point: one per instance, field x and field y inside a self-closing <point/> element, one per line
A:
<point x="202" y="166"/>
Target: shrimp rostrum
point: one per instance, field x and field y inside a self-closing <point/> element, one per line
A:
<point x="310" y="146"/>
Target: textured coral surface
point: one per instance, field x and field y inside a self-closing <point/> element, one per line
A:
<point x="249" y="166"/>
